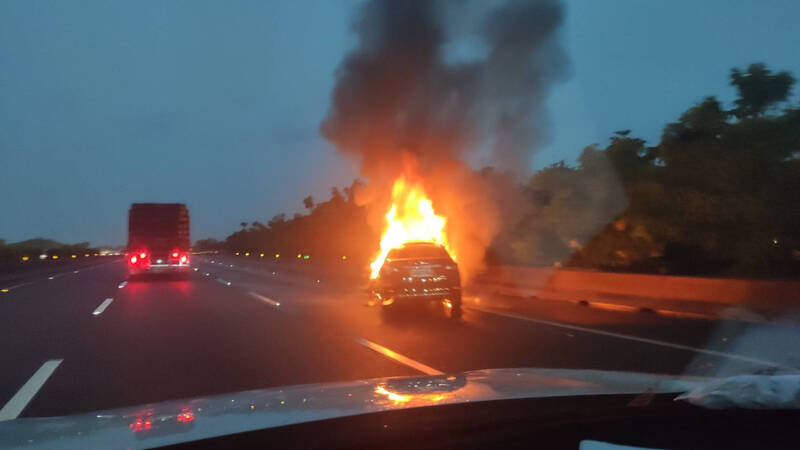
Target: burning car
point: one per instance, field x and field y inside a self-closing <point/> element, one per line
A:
<point x="418" y="272"/>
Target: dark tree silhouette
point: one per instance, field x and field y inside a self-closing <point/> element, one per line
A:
<point x="759" y="89"/>
<point x="717" y="195"/>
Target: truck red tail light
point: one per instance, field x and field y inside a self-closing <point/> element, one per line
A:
<point x="138" y="257"/>
<point x="185" y="416"/>
<point x="184" y="259"/>
<point x="141" y="424"/>
<point x="175" y="255"/>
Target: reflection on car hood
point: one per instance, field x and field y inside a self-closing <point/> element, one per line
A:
<point x="187" y="420"/>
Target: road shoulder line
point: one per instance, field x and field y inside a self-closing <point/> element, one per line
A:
<point x="751" y="360"/>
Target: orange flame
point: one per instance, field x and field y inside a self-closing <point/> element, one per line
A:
<point x="410" y="218"/>
<point x="400" y="399"/>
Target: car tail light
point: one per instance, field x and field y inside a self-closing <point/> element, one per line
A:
<point x="141" y="424"/>
<point x="142" y="255"/>
<point x="184" y="259"/>
<point x="134" y="259"/>
<point x="185" y="416"/>
<point x="175" y="255"/>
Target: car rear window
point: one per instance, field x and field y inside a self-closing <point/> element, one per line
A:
<point x="418" y="251"/>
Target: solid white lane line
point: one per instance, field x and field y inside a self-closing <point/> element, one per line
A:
<point x="265" y="299"/>
<point x="102" y="306"/>
<point x="757" y="361"/>
<point x="20" y="400"/>
<point x="123" y="284"/>
<point x="225" y="282"/>
<point x="398" y="357"/>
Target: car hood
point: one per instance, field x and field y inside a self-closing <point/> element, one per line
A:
<point x="179" y="421"/>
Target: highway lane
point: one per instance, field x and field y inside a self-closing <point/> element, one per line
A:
<point x="495" y="340"/>
<point x="166" y="339"/>
<point x="43" y="318"/>
<point x="242" y="327"/>
<point x="32" y="270"/>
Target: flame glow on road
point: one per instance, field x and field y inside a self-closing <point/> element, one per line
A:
<point x="410" y="218"/>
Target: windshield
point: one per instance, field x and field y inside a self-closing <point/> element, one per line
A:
<point x="198" y="198"/>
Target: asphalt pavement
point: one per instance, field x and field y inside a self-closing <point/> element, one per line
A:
<point x="85" y="339"/>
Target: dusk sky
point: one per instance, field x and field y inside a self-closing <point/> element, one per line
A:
<point x="218" y="104"/>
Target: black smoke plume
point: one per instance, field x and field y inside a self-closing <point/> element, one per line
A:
<point x="432" y="84"/>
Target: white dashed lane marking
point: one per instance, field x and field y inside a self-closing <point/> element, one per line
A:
<point x="20" y="400"/>
<point x="402" y="359"/>
<point x="265" y="299"/>
<point x="10" y="288"/>
<point x="102" y="307"/>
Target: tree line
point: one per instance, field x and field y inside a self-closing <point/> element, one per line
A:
<point x="32" y="250"/>
<point x="718" y="195"/>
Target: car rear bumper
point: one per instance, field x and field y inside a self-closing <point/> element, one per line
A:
<point x="162" y="268"/>
<point x="423" y="294"/>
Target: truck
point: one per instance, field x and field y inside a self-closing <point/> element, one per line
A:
<point x="158" y="239"/>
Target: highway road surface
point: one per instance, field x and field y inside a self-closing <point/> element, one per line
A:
<point x="81" y="338"/>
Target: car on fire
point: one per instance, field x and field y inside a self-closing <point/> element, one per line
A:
<point x="418" y="272"/>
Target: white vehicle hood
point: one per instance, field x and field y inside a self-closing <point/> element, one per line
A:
<point x="186" y="420"/>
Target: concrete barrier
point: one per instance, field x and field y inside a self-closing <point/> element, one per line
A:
<point x="669" y="295"/>
<point x="690" y="294"/>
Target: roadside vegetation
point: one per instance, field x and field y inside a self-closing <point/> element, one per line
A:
<point x="28" y="252"/>
<point x="718" y="195"/>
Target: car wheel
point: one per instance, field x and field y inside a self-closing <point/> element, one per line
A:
<point x="372" y="299"/>
<point x="389" y="312"/>
<point x="456" y="311"/>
